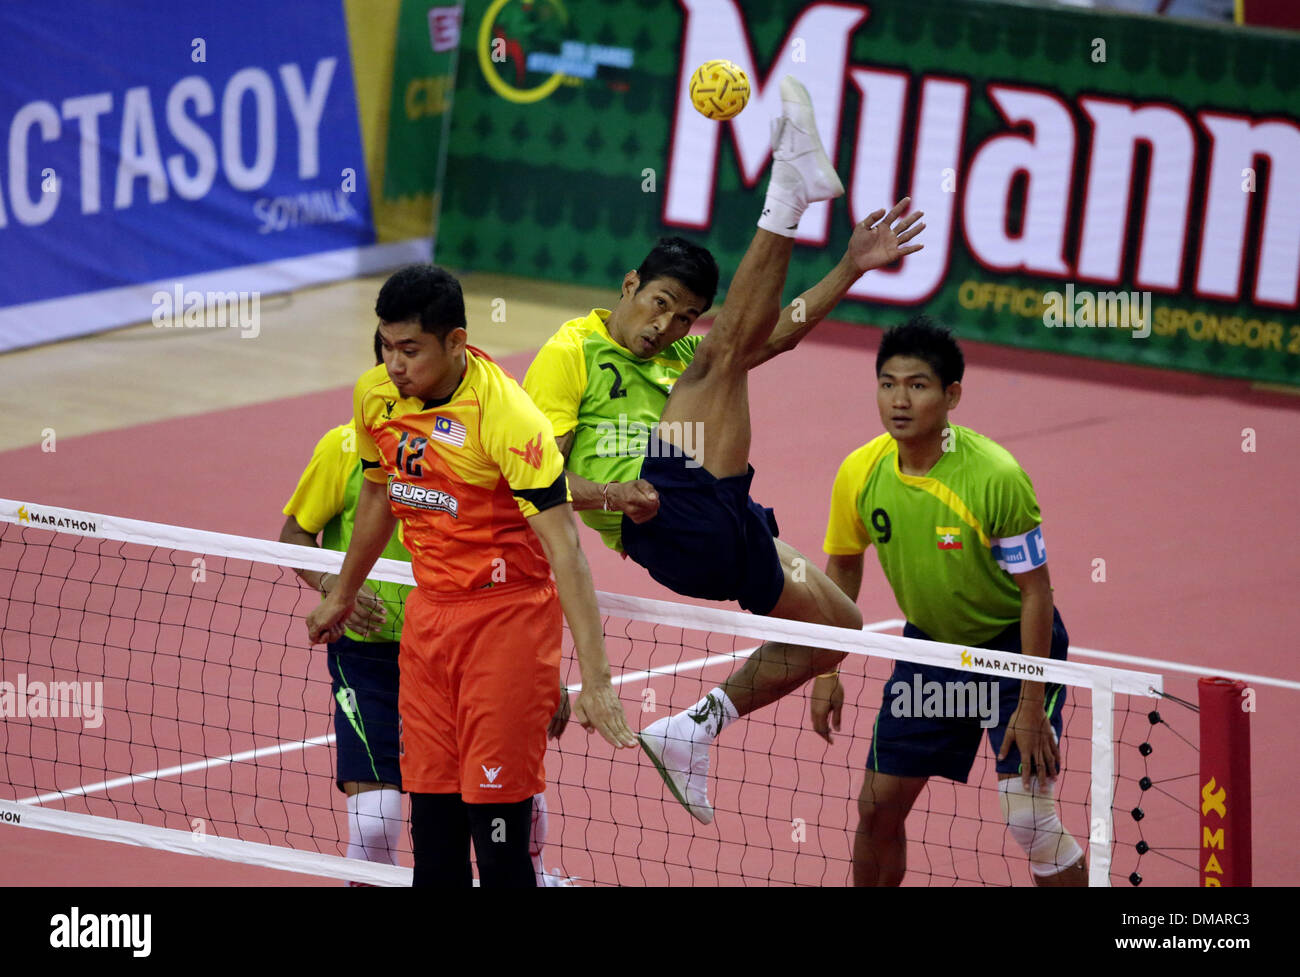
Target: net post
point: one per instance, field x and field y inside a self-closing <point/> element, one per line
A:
<point x="1224" y="843"/>
<point x="1102" y="792"/>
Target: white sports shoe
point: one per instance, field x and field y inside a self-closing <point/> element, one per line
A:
<point x="800" y="165"/>
<point x="682" y="763"/>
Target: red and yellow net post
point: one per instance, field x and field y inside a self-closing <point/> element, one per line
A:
<point x="1224" y="850"/>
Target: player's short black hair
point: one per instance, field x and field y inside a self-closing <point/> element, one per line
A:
<point x="922" y="338"/>
<point x="424" y="293"/>
<point x="690" y="264"/>
<point x="379" y="347"/>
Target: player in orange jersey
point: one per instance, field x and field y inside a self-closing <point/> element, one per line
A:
<point x="453" y="447"/>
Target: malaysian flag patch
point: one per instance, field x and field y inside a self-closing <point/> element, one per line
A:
<point x="449" y="431"/>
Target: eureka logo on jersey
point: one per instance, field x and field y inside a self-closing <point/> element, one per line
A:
<point x="419" y="497"/>
<point x="491" y="774"/>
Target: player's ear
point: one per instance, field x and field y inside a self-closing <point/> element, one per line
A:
<point x="953" y="394"/>
<point x="631" y="282"/>
<point x="455" y="341"/>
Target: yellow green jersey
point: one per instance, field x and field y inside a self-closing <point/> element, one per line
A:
<point x="611" y="399"/>
<point x="949" y="541"/>
<point x="325" y="502"/>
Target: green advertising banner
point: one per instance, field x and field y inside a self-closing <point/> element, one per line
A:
<point x="404" y="55"/>
<point x="1108" y="186"/>
<point x="424" y="79"/>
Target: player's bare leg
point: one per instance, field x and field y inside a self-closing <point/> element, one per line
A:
<point x="777" y="669"/>
<point x="712" y="395"/>
<point x="712" y="398"/>
<point x="880" y="843"/>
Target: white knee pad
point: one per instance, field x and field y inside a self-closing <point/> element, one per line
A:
<point x="375" y="825"/>
<point x="1033" y="822"/>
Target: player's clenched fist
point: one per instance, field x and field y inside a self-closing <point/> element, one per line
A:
<point x="327" y="622"/>
<point x="637" y="500"/>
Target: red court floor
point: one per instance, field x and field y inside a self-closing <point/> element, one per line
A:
<point x="1143" y="469"/>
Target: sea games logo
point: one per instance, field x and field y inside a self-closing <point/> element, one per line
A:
<point x="522" y="38"/>
<point x="52" y="520"/>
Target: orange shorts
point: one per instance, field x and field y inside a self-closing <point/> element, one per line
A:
<point x="480" y="680"/>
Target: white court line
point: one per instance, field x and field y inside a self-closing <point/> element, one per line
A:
<point x="1159" y="664"/>
<point x="184" y="768"/>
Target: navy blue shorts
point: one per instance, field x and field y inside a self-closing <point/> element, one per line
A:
<point x="709" y="539"/>
<point x="364" y="684"/>
<point x="908" y="743"/>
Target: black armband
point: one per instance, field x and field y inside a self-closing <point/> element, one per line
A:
<point x="557" y="493"/>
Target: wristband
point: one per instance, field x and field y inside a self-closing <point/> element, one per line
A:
<point x="605" y="498"/>
<point x="830" y="674"/>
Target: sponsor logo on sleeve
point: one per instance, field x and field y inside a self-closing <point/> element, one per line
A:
<point x="531" y="453"/>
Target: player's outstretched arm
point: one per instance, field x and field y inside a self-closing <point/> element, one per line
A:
<point x="597" y="706"/>
<point x="878" y="240"/>
<point x="371" y="532"/>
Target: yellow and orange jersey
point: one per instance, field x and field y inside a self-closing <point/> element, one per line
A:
<point x="463" y="475"/>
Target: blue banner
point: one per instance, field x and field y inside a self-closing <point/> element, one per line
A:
<point x="151" y="140"/>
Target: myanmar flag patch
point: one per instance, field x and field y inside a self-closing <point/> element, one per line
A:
<point x="949" y="537"/>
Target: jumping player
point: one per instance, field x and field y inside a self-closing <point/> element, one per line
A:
<point x="674" y="494"/>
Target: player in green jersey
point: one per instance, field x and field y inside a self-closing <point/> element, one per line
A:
<point x="655" y="428"/>
<point x="955" y="522"/>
